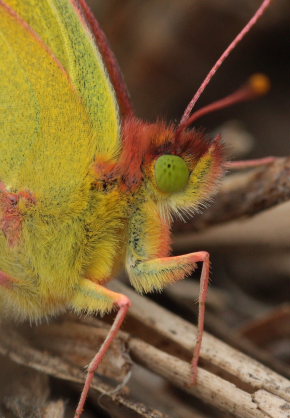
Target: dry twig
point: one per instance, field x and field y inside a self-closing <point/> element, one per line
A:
<point x="246" y="194"/>
<point x="228" y="379"/>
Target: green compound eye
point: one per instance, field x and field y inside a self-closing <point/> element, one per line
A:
<point x="171" y="173"/>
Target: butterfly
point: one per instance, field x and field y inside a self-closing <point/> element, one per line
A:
<point x="86" y="187"/>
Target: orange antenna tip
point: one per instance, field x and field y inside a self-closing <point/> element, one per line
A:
<point x="257" y="85"/>
<point x="260" y="83"/>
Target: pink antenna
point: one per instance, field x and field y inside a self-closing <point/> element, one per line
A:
<point x="257" y="85"/>
<point x="110" y="61"/>
<point x="265" y="4"/>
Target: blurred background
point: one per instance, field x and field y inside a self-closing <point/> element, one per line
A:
<point x="166" y="47"/>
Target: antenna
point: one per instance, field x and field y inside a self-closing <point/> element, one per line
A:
<point x="110" y="61"/>
<point x="265" y="4"/>
<point x="257" y="85"/>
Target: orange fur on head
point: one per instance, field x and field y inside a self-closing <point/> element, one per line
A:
<point x="144" y="142"/>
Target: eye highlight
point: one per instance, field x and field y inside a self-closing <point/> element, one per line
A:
<point x="171" y="173"/>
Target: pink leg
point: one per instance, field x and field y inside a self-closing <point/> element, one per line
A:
<point x="239" y="165"/>
<point x="156" y="273"/>
<point x="124" y="304"/>
<point x="203" y="289"/>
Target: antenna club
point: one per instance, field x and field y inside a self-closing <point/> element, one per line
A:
<point x="260" y="83"/>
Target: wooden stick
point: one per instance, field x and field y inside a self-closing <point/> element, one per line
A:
<point x="238" y="367"/>
<point x="228" y="379"/>
<point x="245" y="194"/>
<point x="210" y="388"/>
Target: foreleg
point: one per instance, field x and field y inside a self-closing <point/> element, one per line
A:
<point x="157" y="273"/>
<point x="243" y="164"/>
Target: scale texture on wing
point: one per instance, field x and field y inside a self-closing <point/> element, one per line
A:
<point x="47" y="140"/>
<point x="61" y="27"/>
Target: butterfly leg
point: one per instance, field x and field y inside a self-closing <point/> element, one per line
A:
<point x="91" y="297"/>
<point x="157" y="273"/>
<point x="242" y="164"/>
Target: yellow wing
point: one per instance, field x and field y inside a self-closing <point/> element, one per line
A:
<point x="48" y="135"/>
<point x="62" y="30"/>
<point x="47" y="140"/>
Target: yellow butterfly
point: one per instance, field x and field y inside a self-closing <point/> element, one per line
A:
<point x="84" y="192"/>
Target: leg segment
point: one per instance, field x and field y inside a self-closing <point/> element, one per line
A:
<point x="203" y="289"/>
<point x="243" y="164"/>
<point x="156" y="274"/>
<point x="90" y="297"/>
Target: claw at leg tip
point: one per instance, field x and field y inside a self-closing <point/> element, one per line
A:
<point x="193" y="379"/>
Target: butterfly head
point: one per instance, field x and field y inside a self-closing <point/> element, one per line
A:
<point x="179" y="170"/>
<point x="179" y="166"/>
